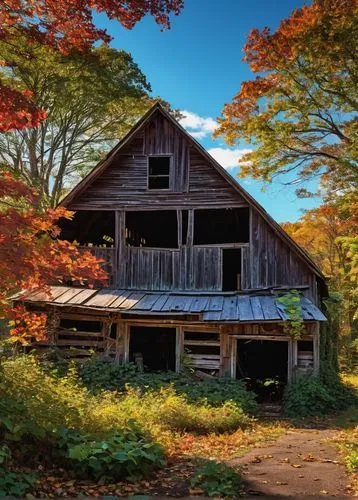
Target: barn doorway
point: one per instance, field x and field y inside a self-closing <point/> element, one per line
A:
<point x="263" y="364"/>
<point x="152" y="348"/>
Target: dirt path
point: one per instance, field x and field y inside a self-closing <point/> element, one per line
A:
<point x="297" y="465"/>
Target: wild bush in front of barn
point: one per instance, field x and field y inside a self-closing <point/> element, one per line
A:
<point x="98" y="375"/>
<point x="309" y="396"/>
<point x="51" y="420"/>
<point x="55" y="420"/>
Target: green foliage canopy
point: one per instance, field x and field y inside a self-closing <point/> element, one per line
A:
<point x="90" y="100"/>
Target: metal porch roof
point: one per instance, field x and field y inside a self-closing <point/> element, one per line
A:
<point x="212" y="307"/>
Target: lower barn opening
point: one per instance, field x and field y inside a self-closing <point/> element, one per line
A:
<point x="152" y="348"/>
<point x="263" y="364"/>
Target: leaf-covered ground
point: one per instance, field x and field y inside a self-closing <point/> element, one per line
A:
<point x="173" y="480"/>
<point x="277" y="458"/>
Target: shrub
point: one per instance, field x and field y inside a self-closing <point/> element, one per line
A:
<point x="40" y="397"/>
<point x="352" y="461"/>
<point x="168" y="410"/>
<point x="177" y="414"/>
<point x="308" y="396"/>
<point x="216" y="479"/>
<point x="126" y="454"/>
<point x="98" y="375"/>
<point x="52" y="418"/>
<point x="15" y="484"/>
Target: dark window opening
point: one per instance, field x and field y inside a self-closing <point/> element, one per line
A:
<point x="201" y="349"/>
<point x="153" y="228"/>
<point x="77" y="325"/>
<point x="184" y="227"/>
<point x="153" y="348"/>
<point x="263" y="364"/>
<point x="80" y="334"/>
<point x="202" y="336"/>
<point x="220" y="226"/>
<point x="231" y="269"/>
<point x="89" y="227"/>
<point x="158" y="172"/>
<point x="305" y="345"/>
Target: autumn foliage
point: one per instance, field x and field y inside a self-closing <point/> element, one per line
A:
<point x="330" y="234"/>
<point x="31" y="256"/>
<point x="65" y="25"/>
<point x="300" y="110"/>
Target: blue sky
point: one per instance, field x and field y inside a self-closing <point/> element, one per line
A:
<point x="197" y="67"/>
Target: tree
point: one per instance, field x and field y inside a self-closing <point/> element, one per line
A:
<point x="89" y="100"/>
<point x="329" y="234"/>
<point x="31" y="256"/>
<point x="65" y="25"/>
<point x="301" y="109"/>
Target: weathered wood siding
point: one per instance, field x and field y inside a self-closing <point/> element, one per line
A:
<point x="267" y="262"/>
<point x="123" y="185"/>
<point x="185" y="269"/>
<point x="271" y="262"/>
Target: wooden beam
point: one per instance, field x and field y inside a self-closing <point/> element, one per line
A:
<point x="233" y="357"/>
<point x="179" y="348"/>
<point x="316" y="350"/>
<point x="290" y="364"/>
<point x="190" y="235"/>
<point x="126" y="339"/>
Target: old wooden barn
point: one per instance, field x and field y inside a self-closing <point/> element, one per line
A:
<point x="196" y="266"/>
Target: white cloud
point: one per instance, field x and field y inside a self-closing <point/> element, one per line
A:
<point x="198" y="126"/>
<point x="228" y="158"/>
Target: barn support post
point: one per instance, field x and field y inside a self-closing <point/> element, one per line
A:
<point x="53" y="323"/>
<point x="120" y="246"/>
<point x="109" y="343"/>
<point x="224" y="353"/>
<point x="316" y="344"/>
<point x="179" y="348"/>
<point x="120" y="334"/>
<point x="126" y="338"/>
<point x="291" y="360"/>
<point x="233" y="357"/>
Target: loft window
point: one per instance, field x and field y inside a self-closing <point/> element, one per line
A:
<point x="220" y="226"/>
<point x="152" y="228"/>
<point x="89" y="227"/>
<point x="158" y="172"/>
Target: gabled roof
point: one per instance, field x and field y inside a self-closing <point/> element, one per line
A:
<point x="211" y="307"/>
<point x="103" y="164"/>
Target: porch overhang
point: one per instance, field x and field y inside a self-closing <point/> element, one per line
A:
<point x="210" y="307"/>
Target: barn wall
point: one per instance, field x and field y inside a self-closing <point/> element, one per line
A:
<point x="112" y="341"/>
<point x="123" y="185"/>
<point x="195" y="183"/>
<point x="272" y="262"/>
<point x="187" y="268"/>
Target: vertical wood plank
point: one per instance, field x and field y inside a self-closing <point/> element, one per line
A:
<point x="179" y="348"/>
<point x="120" y="335"/>
<point x="233" y="357"/>
<point x="126" y="339"/>
<point x="120" y="249"/>
<point x="190" y="235"/>
<point x="224" y="354"/>
<point x="180" y="227"/>
<point x="316" y="346"/>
